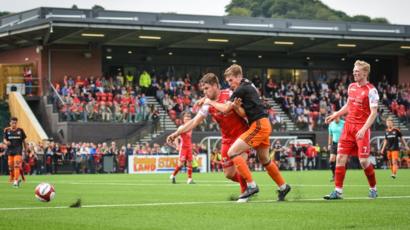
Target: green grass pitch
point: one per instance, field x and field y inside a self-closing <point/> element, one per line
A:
<point x="120" y="201"/>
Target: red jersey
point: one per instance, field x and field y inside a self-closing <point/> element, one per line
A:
<point x="360" y="100"/>
<point x="232" y="125"/>
<point x="186" y="140"/>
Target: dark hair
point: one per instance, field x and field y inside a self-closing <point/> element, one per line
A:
<point x="14" y="119"/>
<point x="209" y="78"/>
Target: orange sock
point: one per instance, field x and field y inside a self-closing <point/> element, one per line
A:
<point x="242" y="167"/>
<point x="394" y="169"/>
<point x="11" y="175"/>
<point x="274" y="173"/>
<point x="16" y="173"/>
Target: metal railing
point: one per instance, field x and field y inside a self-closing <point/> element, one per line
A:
<point x="29" y="86"/>
<point x="55" y="93"/>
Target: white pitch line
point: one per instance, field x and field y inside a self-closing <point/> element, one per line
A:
<point x="192" y="203"/>
<point x="228" y="184"/>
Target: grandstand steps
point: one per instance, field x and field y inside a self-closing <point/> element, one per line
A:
<point x="290" y="125"/>
<point x="387" y="112"/>
<point x="166" y="123"/>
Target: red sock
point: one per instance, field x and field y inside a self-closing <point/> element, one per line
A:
<point x="189" y="171"/>
<point x="371" y="175"/>
<point x="177" y="168"/>
<point x="243" y="169"/>
<point x="340" y="173"/>
<point x="242" y="182"/>
<point x="22" y="174"/>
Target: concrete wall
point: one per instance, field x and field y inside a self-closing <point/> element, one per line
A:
<point x="95" y="132"/>
<point x="404" y="70"/>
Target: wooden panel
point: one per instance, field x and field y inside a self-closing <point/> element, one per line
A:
<point x="26" y="119"/>
<point x="13" y="73"/>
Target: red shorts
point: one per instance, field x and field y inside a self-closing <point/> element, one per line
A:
<point x="349" y="145"/>
<point x="185" y="154"/>
<point x="226" y="160"/>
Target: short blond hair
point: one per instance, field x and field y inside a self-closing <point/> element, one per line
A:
<point x="234" y="70"/>
<point x="363" y="65"/>
<point x="389" y="118"/>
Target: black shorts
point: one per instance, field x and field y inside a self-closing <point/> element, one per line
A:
<point x="277" y="156"/>
<point x="334" y="148"/>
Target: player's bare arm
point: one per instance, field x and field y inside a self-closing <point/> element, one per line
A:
<point x="6" y="142"/>
<point x="404" y="143"/>
<point x="369" y="122"/>
<point x="384" y="145"/>
<point x="25" y="145"/>
<point x="339" y="113"/>
<point x="221" y="107"/>
<point x="200" y="102"/>
<point x="190" y="125"/>
<point x="237" y="106"/>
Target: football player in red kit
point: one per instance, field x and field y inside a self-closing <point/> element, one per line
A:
<point x="361" y="109"/>
<point x="232" y="125"/>
<point x="184" y="146"/>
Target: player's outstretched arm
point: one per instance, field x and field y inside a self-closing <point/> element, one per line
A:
<point x="221" y="107"/>
<point x="190" y="125"/>
<point x="339" y="113"/>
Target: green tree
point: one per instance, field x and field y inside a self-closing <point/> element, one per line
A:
<point x="4" y="13"/>
<point x="239" y="11"/>
<point x="293" y="9"/>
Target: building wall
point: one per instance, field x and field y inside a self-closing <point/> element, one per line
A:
<point x="27" y="55"/>
<point x="404" y="70"/>
<point x="71" y="60"/>
<point x="20" y="56"/>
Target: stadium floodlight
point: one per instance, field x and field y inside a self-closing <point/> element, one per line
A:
<point x="51" y="15"/>
<point x="405" y="47"/>
<point x="217" y="40"/>
<point x="199" y="22"/>
<point x="346" y="45"/>
<point x="284" y="43"/>
<point x="331" y="28"/>
<point x="251" y="25"/>
<point x="396" y="31"/>
<point x="119" y="18"/>
<point x="149" y="37"/>
<point x="93" y="35"/>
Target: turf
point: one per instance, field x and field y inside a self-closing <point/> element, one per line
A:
<point x="151" y="202"/>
